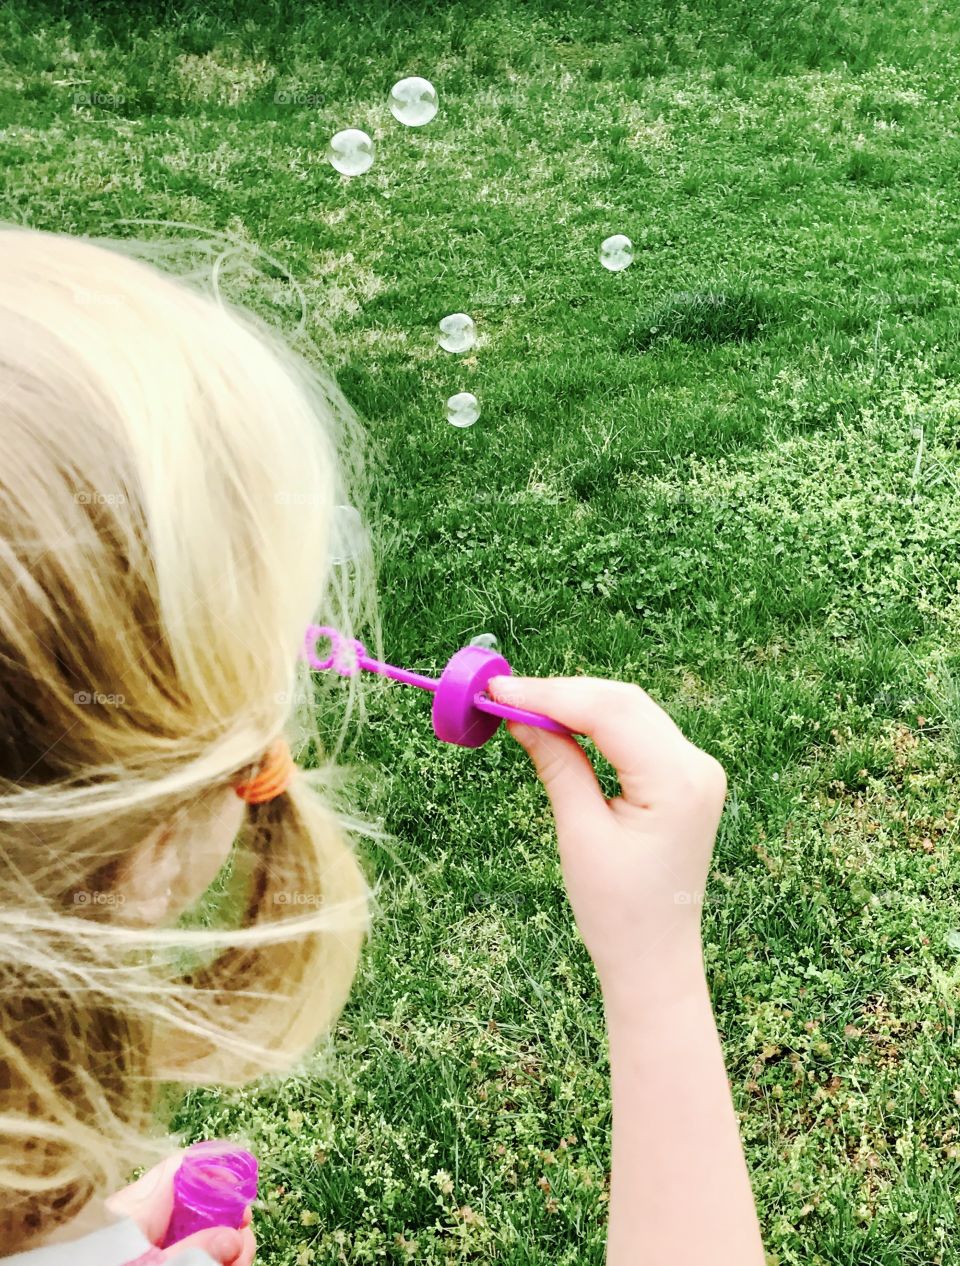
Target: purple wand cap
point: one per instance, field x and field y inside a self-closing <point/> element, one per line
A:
<point x="456" y="717"/>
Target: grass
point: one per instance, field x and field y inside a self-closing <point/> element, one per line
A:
<point x="728" y="473"/>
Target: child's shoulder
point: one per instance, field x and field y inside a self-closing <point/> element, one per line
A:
<point x="121" y="1244"/>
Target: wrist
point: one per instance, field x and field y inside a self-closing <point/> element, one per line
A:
<point x="674" y="982"/>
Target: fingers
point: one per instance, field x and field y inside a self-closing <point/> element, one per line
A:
<point x="632" y="731"/>
<point x="248" y="1252"/>
<point x="225" y="1246"/>
<point x="565" y="772"/>
<point x="149" y="1200"/>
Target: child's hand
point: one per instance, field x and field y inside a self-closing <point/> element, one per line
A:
<point x="635" y="866"/>
<point x="149" y="1201"/>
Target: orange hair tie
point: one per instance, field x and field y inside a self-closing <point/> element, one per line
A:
<point x="273" y="778"/>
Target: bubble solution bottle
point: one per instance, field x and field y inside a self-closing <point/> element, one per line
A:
<point x="214" y="1185"/>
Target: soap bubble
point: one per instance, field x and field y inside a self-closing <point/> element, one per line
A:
<point x="463" y="409"/>
<point x="616" y="253"/>
<point x="350" y="152"/>
<point x="413" y="101"/>
<point x="457" y="333"/>
<point x="347" y="539"/>
<point x="486" y="640"/>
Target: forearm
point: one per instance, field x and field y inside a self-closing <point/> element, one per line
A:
<point x="680" y="1192"/>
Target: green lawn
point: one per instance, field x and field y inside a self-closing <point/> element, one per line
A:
<point x="727" y="473"/>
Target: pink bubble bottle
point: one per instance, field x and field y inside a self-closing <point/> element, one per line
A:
<point x="214" y="1185"/>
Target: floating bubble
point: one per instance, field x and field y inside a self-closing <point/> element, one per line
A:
<point x="463" y="409"/>
<point x="348" y="535"/>
<point x="350" y="152"/>
<point x="413" y="101"/>
<point x="616" y="253"/>
<point x="457" y="333"/>
<point x="486" y="640"/>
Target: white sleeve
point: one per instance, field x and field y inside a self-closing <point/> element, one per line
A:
<point x="119" y="1244"/>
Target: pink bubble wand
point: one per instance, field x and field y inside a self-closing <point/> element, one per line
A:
<point x="463" y="713"/>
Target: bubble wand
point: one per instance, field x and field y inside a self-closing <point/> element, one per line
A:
<point x="463" y="713"/>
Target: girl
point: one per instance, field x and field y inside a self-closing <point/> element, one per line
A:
<point x="166" y="504"/>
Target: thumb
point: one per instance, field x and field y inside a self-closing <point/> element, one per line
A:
<point x="566" y="773"/>
<point x="218" y="1242"/>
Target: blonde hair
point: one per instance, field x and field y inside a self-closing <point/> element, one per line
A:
<point x="167" y="491"/>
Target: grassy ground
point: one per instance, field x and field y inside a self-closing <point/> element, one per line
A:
<point x="727" y="473"/>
